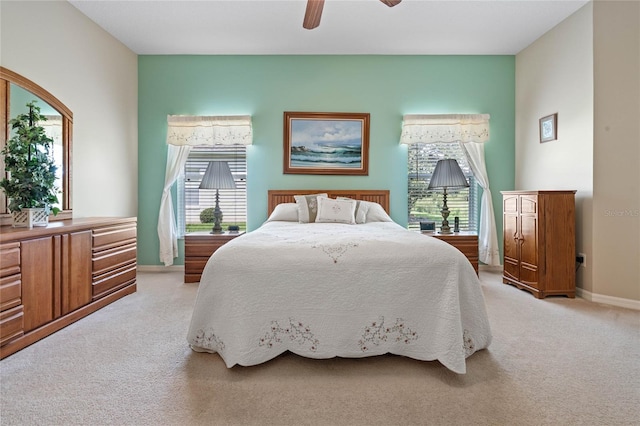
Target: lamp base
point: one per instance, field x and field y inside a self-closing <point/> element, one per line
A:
<point x="217" y="217"/>
<point x="217" y="229"/>
<point x="445" y="228"/>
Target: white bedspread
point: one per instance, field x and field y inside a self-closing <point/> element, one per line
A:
<point x="326" y="290"/>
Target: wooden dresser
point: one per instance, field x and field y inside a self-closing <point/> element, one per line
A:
<point x="198" y="248"/>
<point x="539" y="241"/>
<point x="52" y="276"/>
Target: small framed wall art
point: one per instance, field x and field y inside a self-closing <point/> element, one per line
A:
<point x="549" y="128"/>
<point x="326" y="143"/>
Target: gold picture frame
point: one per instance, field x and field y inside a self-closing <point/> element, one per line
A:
<point x="326" y="143"/>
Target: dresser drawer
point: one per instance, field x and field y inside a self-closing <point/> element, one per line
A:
<point x="113" y="236"/>
<point x="195" y="265"/>
<point x="9" y="259"/>
<point x="11" y="324"/>
<point x="113" y="280"/>
<point x="10" y="291"/>
<point x="108" y="260"/>
<point x="465" y="242"/>
<point x="198" y="248"/>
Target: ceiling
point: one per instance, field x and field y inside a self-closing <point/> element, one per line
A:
<point x="273" y="27"/>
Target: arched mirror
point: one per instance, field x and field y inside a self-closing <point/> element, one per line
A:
<point x="16" y="92"/>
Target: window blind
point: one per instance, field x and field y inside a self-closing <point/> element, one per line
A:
<point x="192" y="201"/>
<point x="425" y="204"/>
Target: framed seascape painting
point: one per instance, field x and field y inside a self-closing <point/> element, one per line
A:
<point x="326" y="143"/>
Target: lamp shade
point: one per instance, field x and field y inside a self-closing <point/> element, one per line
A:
<point x="218" y="176"/>
<point x="447" y="174"/>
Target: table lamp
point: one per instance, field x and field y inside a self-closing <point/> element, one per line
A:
<point x="218" y="176"/>
<point x="447" y="174"/>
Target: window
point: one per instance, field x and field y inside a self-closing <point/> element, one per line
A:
<point x="425" y="204"/>
<point x="192" y="202"/>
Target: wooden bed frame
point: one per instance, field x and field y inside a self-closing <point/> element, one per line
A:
<point x="279" y="196"/>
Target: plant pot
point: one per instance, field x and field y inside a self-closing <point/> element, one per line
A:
<point x="28" y="218"/>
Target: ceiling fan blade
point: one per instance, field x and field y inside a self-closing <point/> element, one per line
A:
<point x="313" y="14"/>
<point x="390" y="3"/>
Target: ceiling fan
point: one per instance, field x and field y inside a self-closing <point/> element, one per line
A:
<point x="314" y="12"/>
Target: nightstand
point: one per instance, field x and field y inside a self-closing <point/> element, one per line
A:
<point x="198" y="248"/>
<point x="465" y="241"/>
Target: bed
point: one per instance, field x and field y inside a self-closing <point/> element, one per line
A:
<point x="349" y="282"/>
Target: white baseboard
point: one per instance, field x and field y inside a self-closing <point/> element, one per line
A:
<point x="489" y="268"/>
<point x="160" y="268"/>
<point x="587" y="295"/>
<point x="608" y="300"/>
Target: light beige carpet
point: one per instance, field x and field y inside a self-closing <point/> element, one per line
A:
<point x="556" y="361"/>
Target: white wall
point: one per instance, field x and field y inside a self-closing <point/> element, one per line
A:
<point x="616" y="192"/>
<point x="588" y="70"/>
<point x="96" y="76"/>
<point x="555" y="75"/>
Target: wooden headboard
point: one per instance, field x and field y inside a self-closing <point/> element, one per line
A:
<point x="279" y="196"/>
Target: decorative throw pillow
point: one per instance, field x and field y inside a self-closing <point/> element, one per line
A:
<point x="308" y="206"/>
<point x="375" y="213"/>
<point x="336" y="211"/>
<point x="368" y="211"/>
<point x="285" y="212"/>
<point x="361" y="209"/>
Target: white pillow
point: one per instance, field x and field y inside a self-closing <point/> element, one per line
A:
<point x="308" y="206"/>
<point x="361" y="210"/>
<point x="285" y="212"/>
<point x="336" y="211"/>
<point x="375" y="213"/>
<point x="368" y="211"/>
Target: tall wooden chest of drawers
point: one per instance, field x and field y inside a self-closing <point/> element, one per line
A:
<point x="539" y="241"/>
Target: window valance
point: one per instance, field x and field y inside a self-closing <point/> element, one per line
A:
<point x="445" y="128"/>
<point x="209" y="130"/>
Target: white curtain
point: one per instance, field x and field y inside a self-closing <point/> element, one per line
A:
<point x="167" y="229"/>
<point x="471" y="131"/>
<point x="488" y="250"/>
<point x="183" y="132"/>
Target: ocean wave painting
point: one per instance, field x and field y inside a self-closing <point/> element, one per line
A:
<point x="331" y="155"/>
<point x="326" y="143"/>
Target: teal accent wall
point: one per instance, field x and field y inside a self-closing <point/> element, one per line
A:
<point x="264" y="87"/>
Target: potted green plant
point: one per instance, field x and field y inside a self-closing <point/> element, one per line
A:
<point x="31" y="171"/>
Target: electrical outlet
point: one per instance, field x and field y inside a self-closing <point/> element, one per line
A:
<point x="581" y="258"/>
